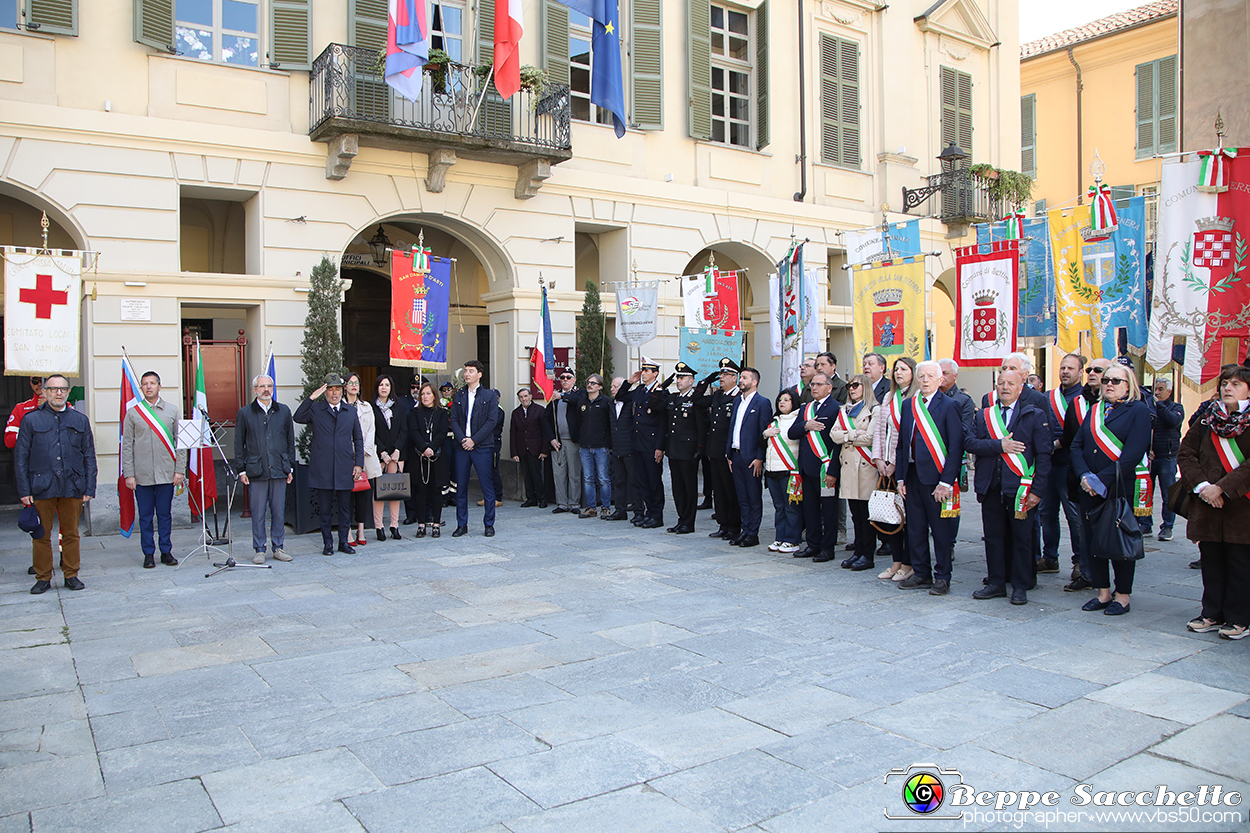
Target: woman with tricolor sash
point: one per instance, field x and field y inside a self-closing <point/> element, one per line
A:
<point x="1108" y="459"/>
<point x="1211" y="460"/>
<point x="781" y="472"/>
<point x="853" y="430"/>
<point x="884" y="449"/>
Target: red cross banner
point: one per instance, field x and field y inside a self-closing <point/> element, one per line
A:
<point x="42" y="297"/>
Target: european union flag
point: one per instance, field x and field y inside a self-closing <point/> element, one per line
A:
<point x="591" y="8"/>
<point x="606" y="88"/>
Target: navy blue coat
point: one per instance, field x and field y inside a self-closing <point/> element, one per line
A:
<point x="55" y="455"/>
<point x="751" y="437"/>
<point x="1027" y="426"/>
<point x="649" y="416"/>
<point x="1130" y="422"/>
<point x="485" y="416"/>
<point x="809" y="463"/>
<point x="337" y="443"/>
<point x="1032" y="397"/>
<point x="1058" y="426"/>
<point x="950" y="426"/>
<point x="1169" y="416"/>
<point x="622" y="429"/>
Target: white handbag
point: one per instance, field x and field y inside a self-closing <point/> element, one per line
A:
<point x="885" y="506"/>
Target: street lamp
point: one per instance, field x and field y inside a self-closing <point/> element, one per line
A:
<point x="378" y="246"/>
<point x="950" y="159"/>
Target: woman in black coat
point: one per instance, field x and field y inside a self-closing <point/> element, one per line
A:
<point x="427" y="428"/>
<point x="1124" y="420"/>
<point x="390" y="433"/>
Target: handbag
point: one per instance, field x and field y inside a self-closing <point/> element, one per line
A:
<point x="1115" y="532"/>
<point x="885" y="507"/>
<point x="1178" y="498"/>
<point x="361" y="483"/>
<point x="396" y="486"/>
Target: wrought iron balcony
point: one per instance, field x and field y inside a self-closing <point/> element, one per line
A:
<point x="964" y="198"/>
<point x="457" y="114"/>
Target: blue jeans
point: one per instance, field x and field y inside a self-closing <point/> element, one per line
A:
<point x="1057" y="497"/>
<point x="1163" y="471"/>
<point x="787" y="516"/>
<point x="269" y="494"/>
<point x="596" y="468"/>
<point x="158" y="499"/>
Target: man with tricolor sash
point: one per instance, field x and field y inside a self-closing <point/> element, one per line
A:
<point x="930" y="454"/>
<point x="1056" y="494"/>
<point x="153" y="465"/>
<point x="1078" y="410"/>
<point x="820" y="464"/>
<point x="1012" y="443"/>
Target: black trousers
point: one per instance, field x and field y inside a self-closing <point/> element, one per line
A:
<point x="329" y="503"/>
<point x="865" y="535"/>
<point x="725" y="496"/>
<point x="1008" y="541"/>
<point x="1225" y="582"/>
<point x="820" y="516"/>
<point x="705" y="463"/>
<point x="620" y="468"/>
<point x="427" y="478"/>
<point x="924" y="518"/>
<point x="362" y="507"/>
<point x="685" y="477"/>
<point x="647" y="488"/>
<point x="532" y="475"/>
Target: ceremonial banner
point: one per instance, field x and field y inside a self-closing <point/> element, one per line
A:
<point x="201" y="467"/>
<point x="544" y="353"/>
<point x="1035" y="323"/>
<point x="794" y="313"/>
<point x="41" y="313"/>
<point x="1076" y="300"/>
<point x="420" y="308"/>
<point x="636" y="313"/>
<point x="703" y="349"/>
<point x="986" y="307"/>
<point x="1122" y="298"/>
<point x="888" y="309"/>
<point x="711" y="300"/>
<point x="1200" y="288"/>
<point x="867" y="245"/>
<point x="130" y="395"/>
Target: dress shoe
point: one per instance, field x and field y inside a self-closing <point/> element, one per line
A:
<point x="617" y="516"/>
<point x="940" y="587"/>
<point x="395" y="533"/>
<point x="990" y="591"/>
<point x="489" y="532"/>
<point x="421" y="531"/>
<point x="824" y="556"/>
<point x="381" y="534"/>
<point x="347" y="549"/>
<point x="527" y="504"/>
<point x="75" y="583"/>
<point x="1113" y="609"/>
<point x="807" y="553"/>
<point x="435" y="531"/>
<point x="847" y="562"/>
<point x="40" y="588"/>
<point x="1195" y="565"/>
<point x="684" y="530"/>
<point x="167" y="558"/>
<point x="749" y="541"/>
<point x="706" y="504"/>
<point x="916" y="580"/>
<point x="460" y="532"/>
<point x="637" y="521"/>
<point x="410" y="520"/>
<point x="327" y="550"/>
<point x="30" y="571"/>
<point x="1047" y="565"/>
<point x="1077" y="584"/>
<point x="149" y="561"/>
<point x="542" y="504"/>
<point x="671" y="529"/>
<point x="360" y="540"/>
<point x="1094" y="604"/>
<point x="559" y="510"/>
<point x="651" y="524"/>
<point x="720" y="533"/>
<point x="1019" y="597"/>
<point x="861" y="563"/>
<point x="851" y="546"/>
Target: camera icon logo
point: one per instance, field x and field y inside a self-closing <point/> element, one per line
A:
<point x="923" y="788"/>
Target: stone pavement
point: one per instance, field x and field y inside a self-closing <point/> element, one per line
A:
<point x="576" y="675"/>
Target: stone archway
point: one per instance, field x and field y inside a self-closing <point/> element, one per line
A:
<point x="24" y="207"/>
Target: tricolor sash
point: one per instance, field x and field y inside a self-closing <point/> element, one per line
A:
<point x="148" y="414"/>
<point x="1015" y="460"/>
<point x="1229" y="452"/>
<point x="794" y="484"/>
<point x="1059" y="404"/>
<point x="896" y="410"/>
<point x="817" y="442"/>
<point x="1082" y="409"/>
<point x="937" y="449"/>
<point x="1143" y="493"/>
<point x="847" y="424"/>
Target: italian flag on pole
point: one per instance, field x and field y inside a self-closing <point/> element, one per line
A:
<point x="202" y="468"/>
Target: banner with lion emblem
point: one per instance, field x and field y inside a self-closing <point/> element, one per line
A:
<point x="986" y="307"/>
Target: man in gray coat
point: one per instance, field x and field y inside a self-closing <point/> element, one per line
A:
<point x="336" y="457"/>
<point x="264" y="451"/>
<point x="152" y="465"/>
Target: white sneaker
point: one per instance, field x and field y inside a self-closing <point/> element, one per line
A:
<point x="788" y="548"/>
<point x="280" y="555"/>
<point x="259" y="558"/>
<point x="774" y="546"/>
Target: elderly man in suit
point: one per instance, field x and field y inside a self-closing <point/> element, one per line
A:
<point x="745" y="449"/>
<point x="474" y="415"/>
<point x="336" y="458"/>
<point x="819" y="467"/>
<point x="530" y="438"/>
<point x="930" y="449"/>
<point x="874" y="368"/>
<point x="1012" y="443"/>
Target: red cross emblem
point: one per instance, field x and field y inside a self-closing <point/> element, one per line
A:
<point x="1212" y="248"/>
<point x="43" y="296"/>
<point x="985" y="324"/>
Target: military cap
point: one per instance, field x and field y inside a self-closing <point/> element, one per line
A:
<point x="648" y="364"/>
<point x="683" y="369"/>
<point x="728" y="364"/>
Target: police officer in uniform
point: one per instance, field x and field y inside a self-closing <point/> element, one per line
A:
<point x="685" y="443"/>
<point x="719" y="404"/>
<point x="649" y="402"/>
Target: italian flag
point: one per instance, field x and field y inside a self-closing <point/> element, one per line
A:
<point x="544" y="352"/>
<point x="508" y="47"/>
<point x="202" y="468"/>
<point x="129" y="396"/>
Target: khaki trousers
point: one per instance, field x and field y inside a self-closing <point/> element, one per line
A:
<point x="68" y="509"/>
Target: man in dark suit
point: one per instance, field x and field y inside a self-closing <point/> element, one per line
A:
<point x="530" y="438"/>
<point x="819" y="467"/>
<point x="1010" y="439"/>
<point x="745" y="448"/>
<point x="1059" y="401"/>
<point x="336" y="457"/>
<point x="927" y="468"/>
<point x="874" y="368"/>
<point x="685" y="443"/>
<point x="801" y="393"/>
<point x="620" y="419"/>
<point x="474" y="415"/>
<point x="649" y="410"/>
<point x="719" y="405"/>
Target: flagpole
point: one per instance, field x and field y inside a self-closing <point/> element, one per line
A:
<point x="485" y="89"/>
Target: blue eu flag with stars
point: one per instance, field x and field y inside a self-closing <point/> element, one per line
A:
<point x="606" y="88"/>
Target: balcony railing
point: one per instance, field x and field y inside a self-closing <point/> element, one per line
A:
<point x="456" y="109"/>
<point x="964" y="198"/>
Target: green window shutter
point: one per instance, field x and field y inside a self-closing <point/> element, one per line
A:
<point x="1121" y="194"/>
<point x="699" y="48"/>
<point x="965" y="111"/>
<point x="290" y="29"/>
<point x="1166" y="71"/>
<point x="555" y="41"/>
<point x="367" y="23"/>
<point x="830" y="124"/>
<point x="52" y="17"/>
<point x="761" y="76"/>
<point x="154" y="24"/>
<point x="950" y="106"/>
<point x="1039" y="208"/>
<point x="646" y="65"/>
<point x="848" y="85"/>
<point x="1028" y="135"/>
<point x="495" y="116"/>
<point x="485" y="31"/>
<point x="1145" y="110"/>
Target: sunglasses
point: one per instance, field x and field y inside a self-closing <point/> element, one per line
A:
<point x="1111" y="380"/>
<point x="1093" y="370"/>
<point x="853" y="385"/>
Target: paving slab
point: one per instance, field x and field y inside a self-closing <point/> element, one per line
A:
<point x="423" y="754"/>
<point x="951" y="716"/>
<point x="694" y="739"/>
<point x="182" y="807"/>
<point x="641" y="809"/>
<point x="459" y="801"/>
<point x="1217" y="745"/>
<point x="301" y="780"/>
<point x="580" y="770"/>
<point x="1159" y="695"/>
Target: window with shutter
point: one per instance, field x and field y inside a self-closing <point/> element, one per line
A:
<point x="154" y="24"/>
<point x="839" y="101"/>
<point x="1167" y="104"/>
<point x="1028" y="135"/>
<point x="290" y="29"/>
<point x="1121" y="194"/>
<point x="220" y="31"/>
<point x="1156" y="107"/>
<point x="52" y="17"/>
<point x="495" y="115"/>
<point x="367" y="29"/>
<point x="8" y="14"/>
<point x="956" y="94"/>
<point x="578" y="63"/>
<point x="1039" y="208"/>
<point x="555" y="41"/>
<point x="699" y="54"/>
<point x="646" y="64"/>
<point x="761" y="76"/>
<point x="732" y="75"/>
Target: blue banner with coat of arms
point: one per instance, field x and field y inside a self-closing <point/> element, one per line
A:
<point x="1035" y="324"/>
<point x="703" y="349"/>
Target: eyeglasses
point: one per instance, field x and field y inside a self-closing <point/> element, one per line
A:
<point x="55" y="389"/>
<point x="853" y="385"/>
<point x="566" y="378"/>
<point x="1111" y="380"/>
<point x="596" y="384"/>
<point x="1093" y="370"/>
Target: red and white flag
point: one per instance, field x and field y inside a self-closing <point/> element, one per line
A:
<point x="202" y="467"/>
<point x="130" y="394"/>
<point x="508" y="47"/>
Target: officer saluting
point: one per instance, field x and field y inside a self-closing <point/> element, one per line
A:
<point x="720" y="405"/>
<point x="685" y="443"/>
<point x="650" y="406"/>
